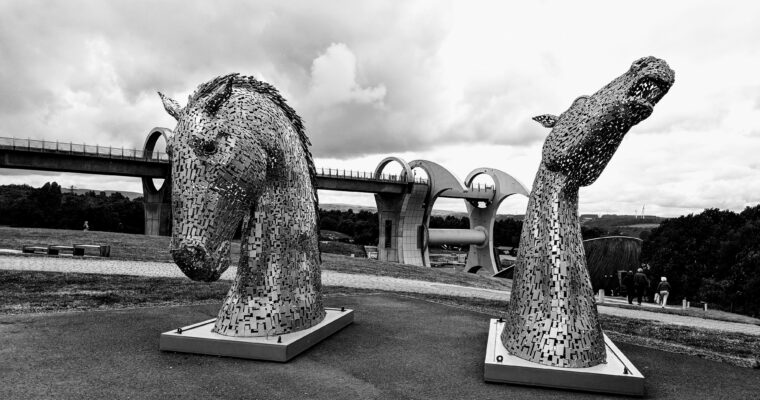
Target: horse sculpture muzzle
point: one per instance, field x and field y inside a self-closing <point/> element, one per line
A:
<point x="199" y="264"/>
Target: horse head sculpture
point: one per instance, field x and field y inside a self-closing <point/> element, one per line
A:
<point x="584" y="138"/>
<point x="552" y="318"/>
<point x="240" y="154"/>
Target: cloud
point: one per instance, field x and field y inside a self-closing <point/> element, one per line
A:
<point x="25" y="172"/>
<point x="333" y="80"/>
<point x="455" y="82"/>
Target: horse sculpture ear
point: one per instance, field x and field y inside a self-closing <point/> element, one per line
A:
<point x="169" y="144"/>
<point x="219" y="96"/>
<point x="547" y="120"/>
<point x="171" y="106"/>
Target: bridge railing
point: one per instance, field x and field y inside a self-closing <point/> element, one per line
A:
<point x="365" y="176"/>
<point x="134" y="154"/>
<point x="49" y="146"/>
<point x="481" y="188"/>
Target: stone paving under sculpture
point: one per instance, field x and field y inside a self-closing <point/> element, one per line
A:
<point x="239" y="153"/>
<point x="552" y="318"/>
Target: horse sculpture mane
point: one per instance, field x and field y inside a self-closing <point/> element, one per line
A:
<point x="250" y="83"/>
<point x="240" y="155"/>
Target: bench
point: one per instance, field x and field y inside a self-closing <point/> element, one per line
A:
<point x="698" y="304"/>
<point x="103" y="251"/>
<point x="74" y="250"/>
<point x="54" y="249"/>
<point x="34" y="249"/>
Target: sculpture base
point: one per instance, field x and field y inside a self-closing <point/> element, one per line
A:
<point x="199" y="339"/>
<point x="617" y="376"/>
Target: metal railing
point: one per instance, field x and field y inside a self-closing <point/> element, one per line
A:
<point x="47" y="146"/>
<point x="481" y="188"/>
<point x="365" y="176"/>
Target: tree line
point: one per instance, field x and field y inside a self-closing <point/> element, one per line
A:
<point x="50" y="207"/>
<point x="363" y="226"/>
<point x="713" y="257"/>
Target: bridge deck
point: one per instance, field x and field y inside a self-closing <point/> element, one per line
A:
<point x="42" y="155"/>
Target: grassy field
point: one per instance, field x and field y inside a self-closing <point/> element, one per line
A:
<point x="154" y="248"/>
<point x="126" y="245"/>
<point x="694" y="312"/>
<point x="37" y="292"/>
<point x="353" y="265"/>
<point x="123" y="245"/>
<point x="346" y="249"/>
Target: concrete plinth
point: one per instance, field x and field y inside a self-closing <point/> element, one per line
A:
<point x="199" y="339"/>
<point x="617" y="376"/>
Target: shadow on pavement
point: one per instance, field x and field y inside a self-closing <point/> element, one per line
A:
<point x="397" y="348"/>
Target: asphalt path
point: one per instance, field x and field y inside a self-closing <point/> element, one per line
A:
<point x="397" y="348"/>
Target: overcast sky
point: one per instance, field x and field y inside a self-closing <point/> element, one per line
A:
<point x="452" y="82"/>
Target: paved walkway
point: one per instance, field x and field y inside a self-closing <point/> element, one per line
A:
<point x="332" y="278"/>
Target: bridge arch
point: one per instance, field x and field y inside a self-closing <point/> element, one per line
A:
<point x="440" y="179"/>
<point x="484" y="217"/>
<point x="148" y="147"/>
<point x="505" y="185"/>
<point x="406" y="173"/>
<point x="157" y="202"/>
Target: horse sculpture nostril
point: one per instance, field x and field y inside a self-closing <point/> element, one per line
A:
<point x="193" y="262"/>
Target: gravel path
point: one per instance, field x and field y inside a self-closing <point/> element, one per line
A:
<point x="332" y="278"/>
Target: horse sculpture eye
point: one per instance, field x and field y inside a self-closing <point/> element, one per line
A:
<point x="209" y="148"/>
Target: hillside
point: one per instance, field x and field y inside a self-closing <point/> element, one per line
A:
<point x="623" y="225"/>
<point x="129" y="195"/>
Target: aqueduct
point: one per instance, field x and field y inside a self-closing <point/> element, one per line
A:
<point x="404" y="203"/>
<point x="404" y="218"/>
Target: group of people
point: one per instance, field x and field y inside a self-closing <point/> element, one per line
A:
<point x="637" y="284"/>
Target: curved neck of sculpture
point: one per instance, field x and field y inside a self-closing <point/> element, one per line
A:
<point x="552" y="317"/>
<point x="278" y="284"/>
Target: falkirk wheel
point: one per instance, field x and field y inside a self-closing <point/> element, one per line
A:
<point x="405" y="236"/>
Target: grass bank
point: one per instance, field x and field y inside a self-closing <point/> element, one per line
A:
<point x="39" y="292"/>
<point x="154" y="248"/>
<point x="693" y="312"/>
<point x="123" y="245"/>
<point x="353" y="265"/>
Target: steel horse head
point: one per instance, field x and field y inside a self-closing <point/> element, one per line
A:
<point x="240" y="155"/>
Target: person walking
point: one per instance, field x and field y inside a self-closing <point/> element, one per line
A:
<point x="640" y="283"/>
<point x="663" y="288"/>
<point x="628" y="283"/>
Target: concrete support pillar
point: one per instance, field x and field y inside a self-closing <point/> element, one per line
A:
<point x="389" y="216"/>
<point x="157" y="202"/>
<point x="158" y="208"/>
<point x="482" y="219"/>
<point x="401" y="218"/>
<point x="440" y="181"/>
